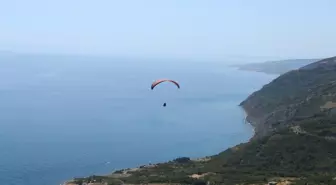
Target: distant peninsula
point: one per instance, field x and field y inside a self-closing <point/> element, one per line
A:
<point x="275" y="67"/>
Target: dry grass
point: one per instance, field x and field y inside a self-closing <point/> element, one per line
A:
<point x="328" y="105"/>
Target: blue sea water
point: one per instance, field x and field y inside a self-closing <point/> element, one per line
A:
<point x="63" y="117"/>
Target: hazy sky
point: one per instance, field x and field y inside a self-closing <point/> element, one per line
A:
<point x="207" y="29"/>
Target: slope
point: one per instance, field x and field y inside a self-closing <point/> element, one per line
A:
<point x="297" y="94"/>
<point x="297" y="154"/>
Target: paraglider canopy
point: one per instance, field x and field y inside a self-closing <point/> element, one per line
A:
<point x="156" y="82"/>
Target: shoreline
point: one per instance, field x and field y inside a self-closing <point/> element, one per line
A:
<point x="126" y="170"/>
<point x="205" y="158"/>
<point x="260" y="71"/>
<point x="246" y="121"/>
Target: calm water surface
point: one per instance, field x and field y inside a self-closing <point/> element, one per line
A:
<point x="64" y="117"/>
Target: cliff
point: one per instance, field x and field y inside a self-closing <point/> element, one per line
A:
<point x="297" y="94"/>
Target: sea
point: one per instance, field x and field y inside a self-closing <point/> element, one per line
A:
<point x="69" y="116"/>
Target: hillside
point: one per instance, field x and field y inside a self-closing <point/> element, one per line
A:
<point x="295" y="141"/>
<point x="297" y="94"/>
<point x="297" y="154"/>
<point x="276" y="67"/>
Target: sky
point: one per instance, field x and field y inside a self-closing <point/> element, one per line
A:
<point x="193" y="29"/>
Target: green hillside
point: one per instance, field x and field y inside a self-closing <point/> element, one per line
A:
<point x="304" y="153"/>
<point x="297" y="94"/>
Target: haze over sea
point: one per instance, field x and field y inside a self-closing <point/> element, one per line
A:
<point x="62" y="117"/>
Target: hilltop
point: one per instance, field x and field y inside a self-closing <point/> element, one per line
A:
<point x="295" y="140"/>
<point x="276" y="67"/>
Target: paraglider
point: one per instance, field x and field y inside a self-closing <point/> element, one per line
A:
<point x="156" y="82"/>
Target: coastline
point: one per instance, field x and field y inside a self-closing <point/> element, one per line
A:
<point x="261" y="71"/>
<point x="205" y="158"/>
<point x="249" y="122"/>
<point x="246" y="120"/>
